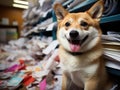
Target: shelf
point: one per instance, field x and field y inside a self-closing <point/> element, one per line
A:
<point x="67" y="2"/>
<point x="8" y="26"/>
<point x="42" y="19"/>
<point x="8" y="32"/>
<point x="113" y="71"/>
<point x="110" y="18"/>
<point x="85" y="3"/>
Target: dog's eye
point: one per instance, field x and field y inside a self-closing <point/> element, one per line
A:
<point x="67" y="24"/>
<point x="83" y="23"/>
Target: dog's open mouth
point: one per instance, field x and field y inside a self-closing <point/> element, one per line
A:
<point x="75" y="44"/>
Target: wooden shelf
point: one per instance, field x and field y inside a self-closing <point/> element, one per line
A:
<point x="9" y="27"/>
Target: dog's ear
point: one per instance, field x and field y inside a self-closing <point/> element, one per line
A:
<point x="60" y="11"/>
<point x="96" y="10"/>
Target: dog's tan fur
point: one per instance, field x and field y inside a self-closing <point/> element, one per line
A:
<point x="87" y="69"/>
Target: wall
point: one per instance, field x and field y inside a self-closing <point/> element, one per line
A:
<point x="12" y="14"/>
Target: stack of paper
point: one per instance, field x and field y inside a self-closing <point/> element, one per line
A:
<point x="111" y="44"/>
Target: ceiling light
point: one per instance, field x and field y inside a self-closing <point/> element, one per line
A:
<point x="20" y="6"/>
<point x="20" y="2"/>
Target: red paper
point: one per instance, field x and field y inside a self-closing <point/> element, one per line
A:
<point x="28" y="80"/>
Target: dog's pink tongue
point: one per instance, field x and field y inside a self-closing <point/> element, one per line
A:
<point x="74" y="47"/>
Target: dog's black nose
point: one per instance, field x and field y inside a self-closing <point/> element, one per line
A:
<point x="74" y="34"/>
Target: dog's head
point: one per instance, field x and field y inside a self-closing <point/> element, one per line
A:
<point x="79" y="32"/>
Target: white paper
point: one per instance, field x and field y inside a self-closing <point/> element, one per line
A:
<point x="113" y="65"/>
<point x="50" y="27"/>
<point x="51" y="47"/>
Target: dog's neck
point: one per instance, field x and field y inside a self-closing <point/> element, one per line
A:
<point x="75" y="53"/>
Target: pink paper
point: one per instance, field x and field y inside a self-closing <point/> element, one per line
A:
<point x="43" y="85"/>
<point x="12" y="68"/>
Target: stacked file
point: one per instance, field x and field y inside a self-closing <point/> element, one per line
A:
<point x="111" y="44"/>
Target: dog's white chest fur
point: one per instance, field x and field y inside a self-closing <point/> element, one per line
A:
<point x="77" y="68"/>
<point x="79" y="77"/>
<point x="77" y="73"/>
<point x="75" y="63"/>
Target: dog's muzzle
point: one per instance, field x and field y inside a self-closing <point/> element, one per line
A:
<point x="75" y="40"/>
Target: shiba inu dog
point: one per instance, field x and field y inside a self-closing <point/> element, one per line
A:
<point x="80" y="48"/>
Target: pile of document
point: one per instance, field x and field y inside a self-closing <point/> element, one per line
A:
<point x="30" y="64"/>
<point x="40" y="15"/>
<point x="111" y="43"/>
